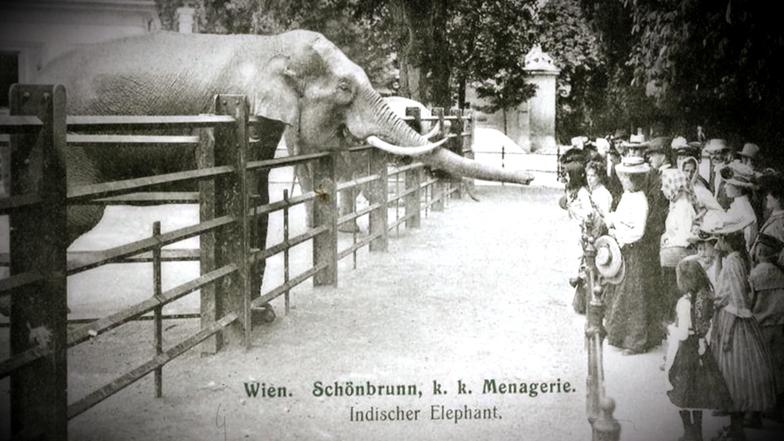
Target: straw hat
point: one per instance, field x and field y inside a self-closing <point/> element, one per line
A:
<point x="679" y="142"/>
<point x="702" y="237"/>
<point x="609" y="261"/>
<point x="632" y="164"/>
<point x="739" y="174"/>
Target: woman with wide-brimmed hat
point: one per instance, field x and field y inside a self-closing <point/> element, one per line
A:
<point x="631" y="321"/>
<point x="738" y="184"/>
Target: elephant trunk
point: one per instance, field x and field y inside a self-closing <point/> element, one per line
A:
<point x="385" y="124"/>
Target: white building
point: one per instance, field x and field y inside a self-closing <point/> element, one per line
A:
<point x="33" y="32"/>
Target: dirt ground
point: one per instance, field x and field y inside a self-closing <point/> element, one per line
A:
<point x="479" y="292"/>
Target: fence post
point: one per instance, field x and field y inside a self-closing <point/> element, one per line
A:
<point x="379" y="194"/>
<point x="157" y="280"/>
<point x="412" y="199"/>
<point x="438" y="187"/>
<point x="412" y="176"/>
<point x="456" y="144"/>
<point x="205" y="158"/>
<point x="231" y="198"/>
<point x="286" y="296"/>
<point x="599" y="407"/>
<point x="416" y="123"/>
<point x="39" y="313"/>
<point x="325" y="212"/>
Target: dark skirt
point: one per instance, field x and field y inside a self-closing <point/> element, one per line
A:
<point x="744" y="361"/>
<point x="670" y="292"/>
<point x="633" y="313"/>
<point x="697" y="382"/>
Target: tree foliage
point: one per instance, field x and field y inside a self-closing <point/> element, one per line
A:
<point x="682" y="63"/>
<point x="491" y="38"/>
<point x="563" y="32"/>
<point x="716" y="62"/>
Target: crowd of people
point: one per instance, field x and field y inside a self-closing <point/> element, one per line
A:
<point x="700" y="231"/>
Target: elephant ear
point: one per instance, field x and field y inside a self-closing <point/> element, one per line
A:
<point x="276" y="97"/>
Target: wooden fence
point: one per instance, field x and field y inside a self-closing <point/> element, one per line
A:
<point x="39" y="263"/>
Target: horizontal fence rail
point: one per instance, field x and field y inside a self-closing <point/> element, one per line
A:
<point x="229" y="212"/>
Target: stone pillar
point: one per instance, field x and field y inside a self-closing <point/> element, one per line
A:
<point x="185" y="20"/>
<point x="541" y="107"/>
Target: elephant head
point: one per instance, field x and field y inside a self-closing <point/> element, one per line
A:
<point x="315" y="88"/>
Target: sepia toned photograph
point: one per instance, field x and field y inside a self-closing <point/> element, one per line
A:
<point x="391" y="220"/>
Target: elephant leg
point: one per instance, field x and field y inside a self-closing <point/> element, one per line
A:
<point x="304" y="176"/>
<point x="81" y="171"/>
<point x="346" y="201"/>
<point x="265" y="139"/>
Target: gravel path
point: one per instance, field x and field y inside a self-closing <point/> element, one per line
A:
<point x="478" y="293"/>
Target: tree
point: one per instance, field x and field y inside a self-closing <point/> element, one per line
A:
<point x="690" y="62"/>
<point x="715" y="62"/>
<point x="564" y="33"/>
<point x="491" y="39"/>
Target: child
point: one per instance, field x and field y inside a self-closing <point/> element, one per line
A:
<point x="697" y="382"/>
<point x="736" y="338"/>
<point x="767" y="305"/>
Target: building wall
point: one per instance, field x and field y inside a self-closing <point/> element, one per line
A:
<point x="516" y="125"/>
<point x="38" y="31"/>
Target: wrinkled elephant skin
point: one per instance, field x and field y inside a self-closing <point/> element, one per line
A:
<point x="297" y="79"/>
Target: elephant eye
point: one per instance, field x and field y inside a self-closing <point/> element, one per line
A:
<point x="343" y="86"/>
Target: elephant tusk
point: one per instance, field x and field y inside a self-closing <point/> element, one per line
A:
<point x="404" y="151"/>
<point x="433" y="131"/>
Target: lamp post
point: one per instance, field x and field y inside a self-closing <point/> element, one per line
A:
<point x="599" y="407"/>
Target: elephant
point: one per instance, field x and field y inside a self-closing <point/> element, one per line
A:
<point x="350" y="165"/>
<point x="295" y="79"/>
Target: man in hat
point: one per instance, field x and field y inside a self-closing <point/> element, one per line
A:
<point x="683" y="149"/>
<point x="658" y="205"/>
<point x="718" y="150"/>
<point x="618" y="139"/>
<point x="749" y="154"/>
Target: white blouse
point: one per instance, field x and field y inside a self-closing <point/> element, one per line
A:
<point x="680" y="219"/>
<point x="602" y="199"/>
<point x="739" y="216"/>
<point x="628" y="219"/>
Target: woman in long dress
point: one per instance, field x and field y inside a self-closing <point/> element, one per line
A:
<point x="631" y="320"/>
<point x="577" y="202"/>
<point x="737" y="341"/>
